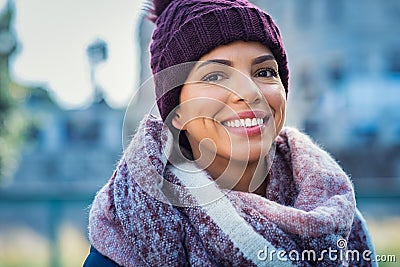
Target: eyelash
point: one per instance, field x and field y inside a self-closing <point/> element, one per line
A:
<point x="208" y="76"/>
<point x="274" y="73"/>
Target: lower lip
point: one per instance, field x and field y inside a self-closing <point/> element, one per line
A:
<point x="247" y="131"/>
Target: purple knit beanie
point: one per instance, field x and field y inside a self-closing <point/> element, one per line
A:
<point x="188" y="29"/>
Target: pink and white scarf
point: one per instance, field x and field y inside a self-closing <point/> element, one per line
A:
<point x="153" y="213"/>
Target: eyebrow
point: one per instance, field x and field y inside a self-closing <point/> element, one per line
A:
<point x="255" y="61"/>
<point x="262" y="58"/>
<point x="218" y="61"/>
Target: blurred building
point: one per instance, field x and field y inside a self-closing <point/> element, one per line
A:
<point x="69" y="145"/>
<point x="75" y="146"/>
<point x="345" y="81"/>
<point x="67" y="157"/>
<point x="345" y="70"/>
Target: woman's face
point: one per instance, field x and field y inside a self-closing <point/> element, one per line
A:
<point x="233" y="103"/>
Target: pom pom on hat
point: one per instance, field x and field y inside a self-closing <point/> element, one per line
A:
<point x="188" y="29"/>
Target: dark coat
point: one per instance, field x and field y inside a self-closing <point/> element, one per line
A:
<point x="95" y="259"/>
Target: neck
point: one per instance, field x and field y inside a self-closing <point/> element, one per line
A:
<point x="239" y="176"/>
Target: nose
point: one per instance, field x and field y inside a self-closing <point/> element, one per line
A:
<point x="244" y="89"/>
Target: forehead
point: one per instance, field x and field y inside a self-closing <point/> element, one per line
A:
<point x="237" y="50"/>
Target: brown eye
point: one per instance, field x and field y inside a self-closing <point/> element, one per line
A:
<point x="266" y="73"/>
<point x="213" y="77"/>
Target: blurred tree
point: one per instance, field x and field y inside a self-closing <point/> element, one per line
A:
<point x="11" y="118"/>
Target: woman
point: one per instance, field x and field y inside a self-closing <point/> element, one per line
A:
<point x="218" y="180"/>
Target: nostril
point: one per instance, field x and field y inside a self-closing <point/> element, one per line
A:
<point x="255" y="100"/>
<point x="248" y="98"/>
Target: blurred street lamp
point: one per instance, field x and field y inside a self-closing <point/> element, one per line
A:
<point x="97" y="53"/>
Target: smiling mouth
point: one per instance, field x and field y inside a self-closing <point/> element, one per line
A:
<point x="245" y="122"/>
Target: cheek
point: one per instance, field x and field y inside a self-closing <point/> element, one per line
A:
<point x="199" y="109"/>
<point x="279" y="122"/>
<point x="276" y="98"/>
<point x="201" y="102"/>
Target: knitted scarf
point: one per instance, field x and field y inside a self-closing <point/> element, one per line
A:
<point x="153" y="213"/>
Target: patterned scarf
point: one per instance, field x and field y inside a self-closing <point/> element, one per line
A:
<point x="154" y="213"/>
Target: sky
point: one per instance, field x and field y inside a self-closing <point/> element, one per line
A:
<point x="53" y="36"/>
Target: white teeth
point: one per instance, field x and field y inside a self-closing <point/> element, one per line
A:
<point x="244" y="122"/>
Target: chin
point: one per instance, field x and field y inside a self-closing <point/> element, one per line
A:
<point x="252" y="156"/>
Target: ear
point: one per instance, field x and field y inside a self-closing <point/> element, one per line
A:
<point x="177" y="121"/>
